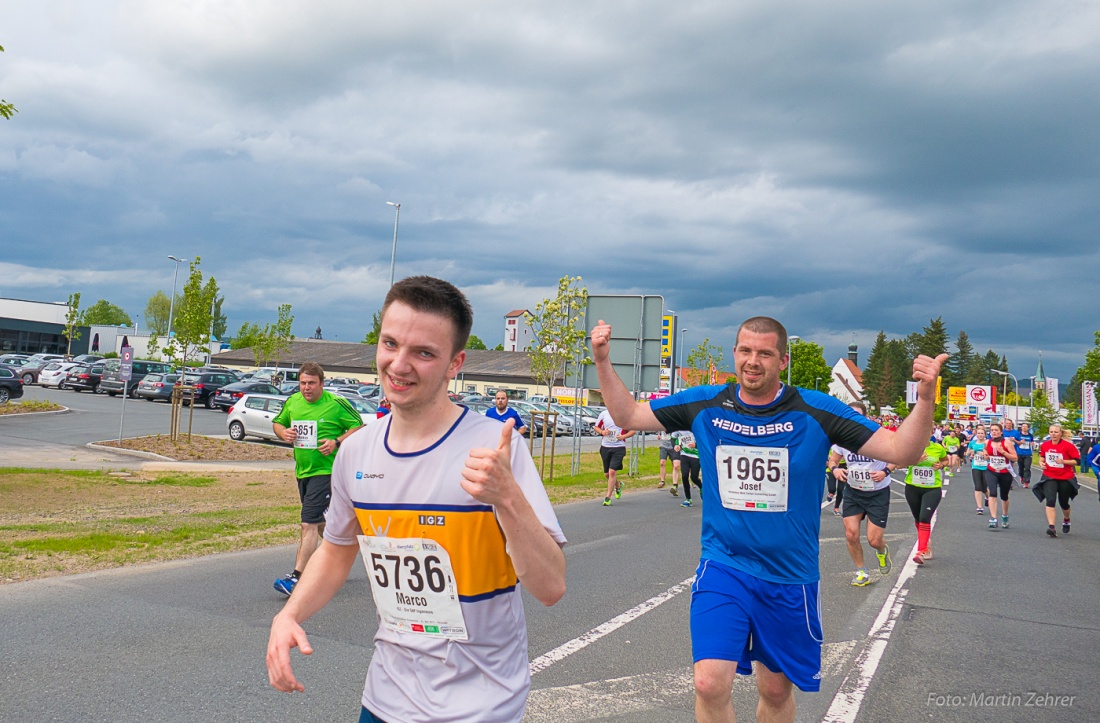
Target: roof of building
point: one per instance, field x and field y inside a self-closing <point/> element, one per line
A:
<point x="854" y="370"/>
<point x="347" y="356"/>
<point x="515" y="312"/>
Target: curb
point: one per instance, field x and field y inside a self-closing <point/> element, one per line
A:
<point x="128" y="452"/>
<point x="63" y="410"/>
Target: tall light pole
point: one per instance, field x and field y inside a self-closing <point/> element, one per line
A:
<point x="393" y="254"/>
<point x="172" y="299"/>
<point x="1031" y="397"/>
<point x="1016" y="407"/>
<point x="790" y="342"/>
<point x="682" y="332"/>
<point x="816" y="380"/>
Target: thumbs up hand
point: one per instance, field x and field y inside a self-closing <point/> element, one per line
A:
<point x="487" y="476"/>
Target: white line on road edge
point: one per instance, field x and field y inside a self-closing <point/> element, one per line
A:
<point x="849" y="698"/>
<point x="563" y="651"/>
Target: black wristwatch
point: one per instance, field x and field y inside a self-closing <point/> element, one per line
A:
<point x="337" y="440"/>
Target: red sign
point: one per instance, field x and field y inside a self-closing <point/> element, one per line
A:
<point x="978" y="394"/>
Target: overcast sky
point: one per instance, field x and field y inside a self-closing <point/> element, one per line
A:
<point x="843" y="166"/>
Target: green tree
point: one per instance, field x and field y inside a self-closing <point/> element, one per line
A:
<point x="930" y="341"/>
<point x="156" y="313"/>
<point x="701" y="361"/>
<point x="73" y="321"/>
<point x="889" y="366"/>
<point x="376" y="329"/>
<point x="808" y="365"/>
<point x="221" y="322"/>
<point x="274" y="340"/>
<point x="7" y="110"/>
<point x="246" y="336"/>
<point x="958" y="366"/>
<point x="475" y="343"/>
<point x="105" y="313"/>
<point x="191" y="320"/>
<point x="557" y="326"/>
<point x="499" y="347"/>
<point x="1042" y="414"/>
<point x="1090" y="370"/>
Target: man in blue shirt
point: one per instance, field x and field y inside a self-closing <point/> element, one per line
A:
<point x="503" y="412"/>
<point x="762" y="446"/>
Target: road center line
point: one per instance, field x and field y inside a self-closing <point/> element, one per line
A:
<point x="563" y="651"/>
<point x="849" y="697"/>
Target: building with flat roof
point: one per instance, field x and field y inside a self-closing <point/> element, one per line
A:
<point x="37" y="327"/>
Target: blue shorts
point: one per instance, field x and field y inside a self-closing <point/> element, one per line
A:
<point x="738" y="617"/>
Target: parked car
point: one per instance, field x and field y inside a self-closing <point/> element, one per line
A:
<point x="252" y="416"/>
<point x="286" y="388"/>
<point x="85" y="376"/>
<point x="268" y="374"/>
<point x="230" y="394"/>
<point x="207" y="384"/>
<point x="15" y="360"/>
<point x="55" y="373"/>
<point x="156" y="387"/>
<point x="112" y="379"/>
<point x="87" y="358"/>
<point x="341" y="382"/>
<point x="367" y="408"/>
<point x="11" y="385"/>
<point x="35" y="364"/>
<point x="363" y="391"/>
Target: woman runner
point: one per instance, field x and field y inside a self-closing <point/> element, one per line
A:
<point x="1000" y="453"/>
<point x="923" y="492"/>
<point x="975" y="452"/>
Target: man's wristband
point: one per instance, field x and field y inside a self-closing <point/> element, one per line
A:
<point x="337" y="440"/>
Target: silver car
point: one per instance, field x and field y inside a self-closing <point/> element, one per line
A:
<point x="252" y="416"/>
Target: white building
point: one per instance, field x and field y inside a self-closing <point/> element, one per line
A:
<point x="518" y="334"/>
<point x="846" y="383"/>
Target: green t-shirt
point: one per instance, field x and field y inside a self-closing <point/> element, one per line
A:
<point x="933" y="453"/>
<point x="333" y="414"/>
<point x="951" y="442"/>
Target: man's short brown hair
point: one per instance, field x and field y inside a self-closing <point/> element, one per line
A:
<point x="435" y="296"/>
<point x="313" y="369"/>
<point x="764" y="325"/>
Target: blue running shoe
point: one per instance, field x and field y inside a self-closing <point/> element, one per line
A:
<point x="285" y="585"/>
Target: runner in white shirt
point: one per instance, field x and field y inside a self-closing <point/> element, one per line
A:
<point x="451" y="518"/>
<point x="612" y="452"/>
<point x="868" y="495"/>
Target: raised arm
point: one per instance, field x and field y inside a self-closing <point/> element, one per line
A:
<point x="626" y="412"/>
<point x="905" y="446"/>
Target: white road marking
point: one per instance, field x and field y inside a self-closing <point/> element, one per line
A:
<point x="849" y="698"/>
<point x="563" y="651"/>
<point x="669" y="689"/>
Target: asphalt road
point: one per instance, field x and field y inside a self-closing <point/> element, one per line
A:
<point x="999" y="626"/>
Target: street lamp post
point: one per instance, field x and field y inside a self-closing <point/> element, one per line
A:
<point x="682" y="332"/>
<point x="816" y="380"/>
<point x="1031" y="396"/>
<point x="393" y="254"/>
<point x="1016" y="407"/>
<point x="790" y="342"/>
<point x="172" y="299"/>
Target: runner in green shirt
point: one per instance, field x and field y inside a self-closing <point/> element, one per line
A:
<point x="953" y="444"/>
<point x="315" y="422"/>
<point x="923" y="492"/>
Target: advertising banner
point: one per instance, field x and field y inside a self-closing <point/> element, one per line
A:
<point x="1090" y="416"/>
<point x="956" y="395"/>
<point x="1052" y="393"/>
<point x="982" y="397"/>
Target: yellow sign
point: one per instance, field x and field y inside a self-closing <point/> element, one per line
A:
<point x="956" y="395"/>
<point x="667" y="327"/>
<point x="939" y="387"/>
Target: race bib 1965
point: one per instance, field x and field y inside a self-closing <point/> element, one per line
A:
<point x="413" y="584"/>
<point x="307" y="434"/>
<point x="753" y="478"/>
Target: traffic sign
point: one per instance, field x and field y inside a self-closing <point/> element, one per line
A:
<point x="126" y="369"/>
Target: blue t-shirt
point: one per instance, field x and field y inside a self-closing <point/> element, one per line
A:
<point x="1013" y="434"/>
<point x="1025" y="443"/>
<point x="776" y="546"/>
<point x="509" y="413"/>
